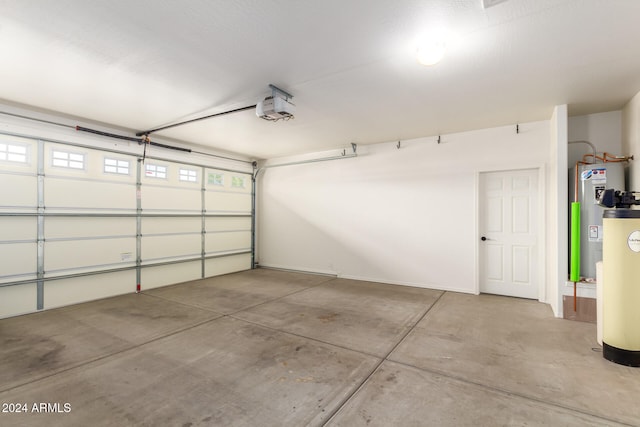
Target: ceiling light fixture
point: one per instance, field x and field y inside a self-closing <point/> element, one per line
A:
<point x="430" y="51"/>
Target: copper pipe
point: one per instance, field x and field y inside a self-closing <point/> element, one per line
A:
<point x="575" y="188"/>
<point x="607" y="158"/>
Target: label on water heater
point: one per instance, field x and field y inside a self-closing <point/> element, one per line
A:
<point x="598" y="190"/>
<point x="597" y="176"/>
<point x="634" y="241"/>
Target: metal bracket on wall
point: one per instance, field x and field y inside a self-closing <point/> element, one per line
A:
<point x="354" y="148"/>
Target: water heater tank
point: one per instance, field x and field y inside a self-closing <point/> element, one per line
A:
<point x="592" y="180"/>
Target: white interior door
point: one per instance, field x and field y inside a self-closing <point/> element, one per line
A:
<point x="508" y="226"/>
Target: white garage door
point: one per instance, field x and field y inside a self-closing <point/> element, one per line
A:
<point x="79" y="223"/>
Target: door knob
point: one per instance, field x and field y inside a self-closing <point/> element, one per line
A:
<point x="483" y="238"/>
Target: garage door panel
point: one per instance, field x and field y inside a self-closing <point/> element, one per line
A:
<point x="171" y="225"/>
<point x="72" y="227"/>
<point x="227" y="224"/>
<point x="64" y="292"/>
<point x="228" y="202"/>
<point x="64" y="193"/>
<point x="171" y="199"/>
<point x="89" y="254"/>
<point x="62" y="160"/>
<point x="164" y="275"/>
<point x="227" y="264"/>
<point x="220" y="242"/>
<point x="16" y="300"/>
<point x="162" y="247"/>
<point x="18" y="259"/>
<point x="18" y="191"/>
<point x="171" y="174"/>
<point x="221" y="180"/>
<point x="18" y="228"/>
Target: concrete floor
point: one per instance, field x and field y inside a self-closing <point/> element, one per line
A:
<point x="273" y="348"/>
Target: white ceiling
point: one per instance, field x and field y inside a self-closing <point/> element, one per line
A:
<point x="350" y="65"/>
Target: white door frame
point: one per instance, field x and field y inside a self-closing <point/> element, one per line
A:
<point x="541" y="229"/>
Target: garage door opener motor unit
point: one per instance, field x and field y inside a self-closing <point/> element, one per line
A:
<point x="277" y="106"/>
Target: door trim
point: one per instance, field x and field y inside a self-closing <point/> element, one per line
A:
<point x="541" y="230"/>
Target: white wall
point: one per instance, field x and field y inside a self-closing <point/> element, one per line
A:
<point x="604" y="130"/>
<point x="557" y="210"/>
<point x="631" y="139"/>
<point x="403" y="216"/>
